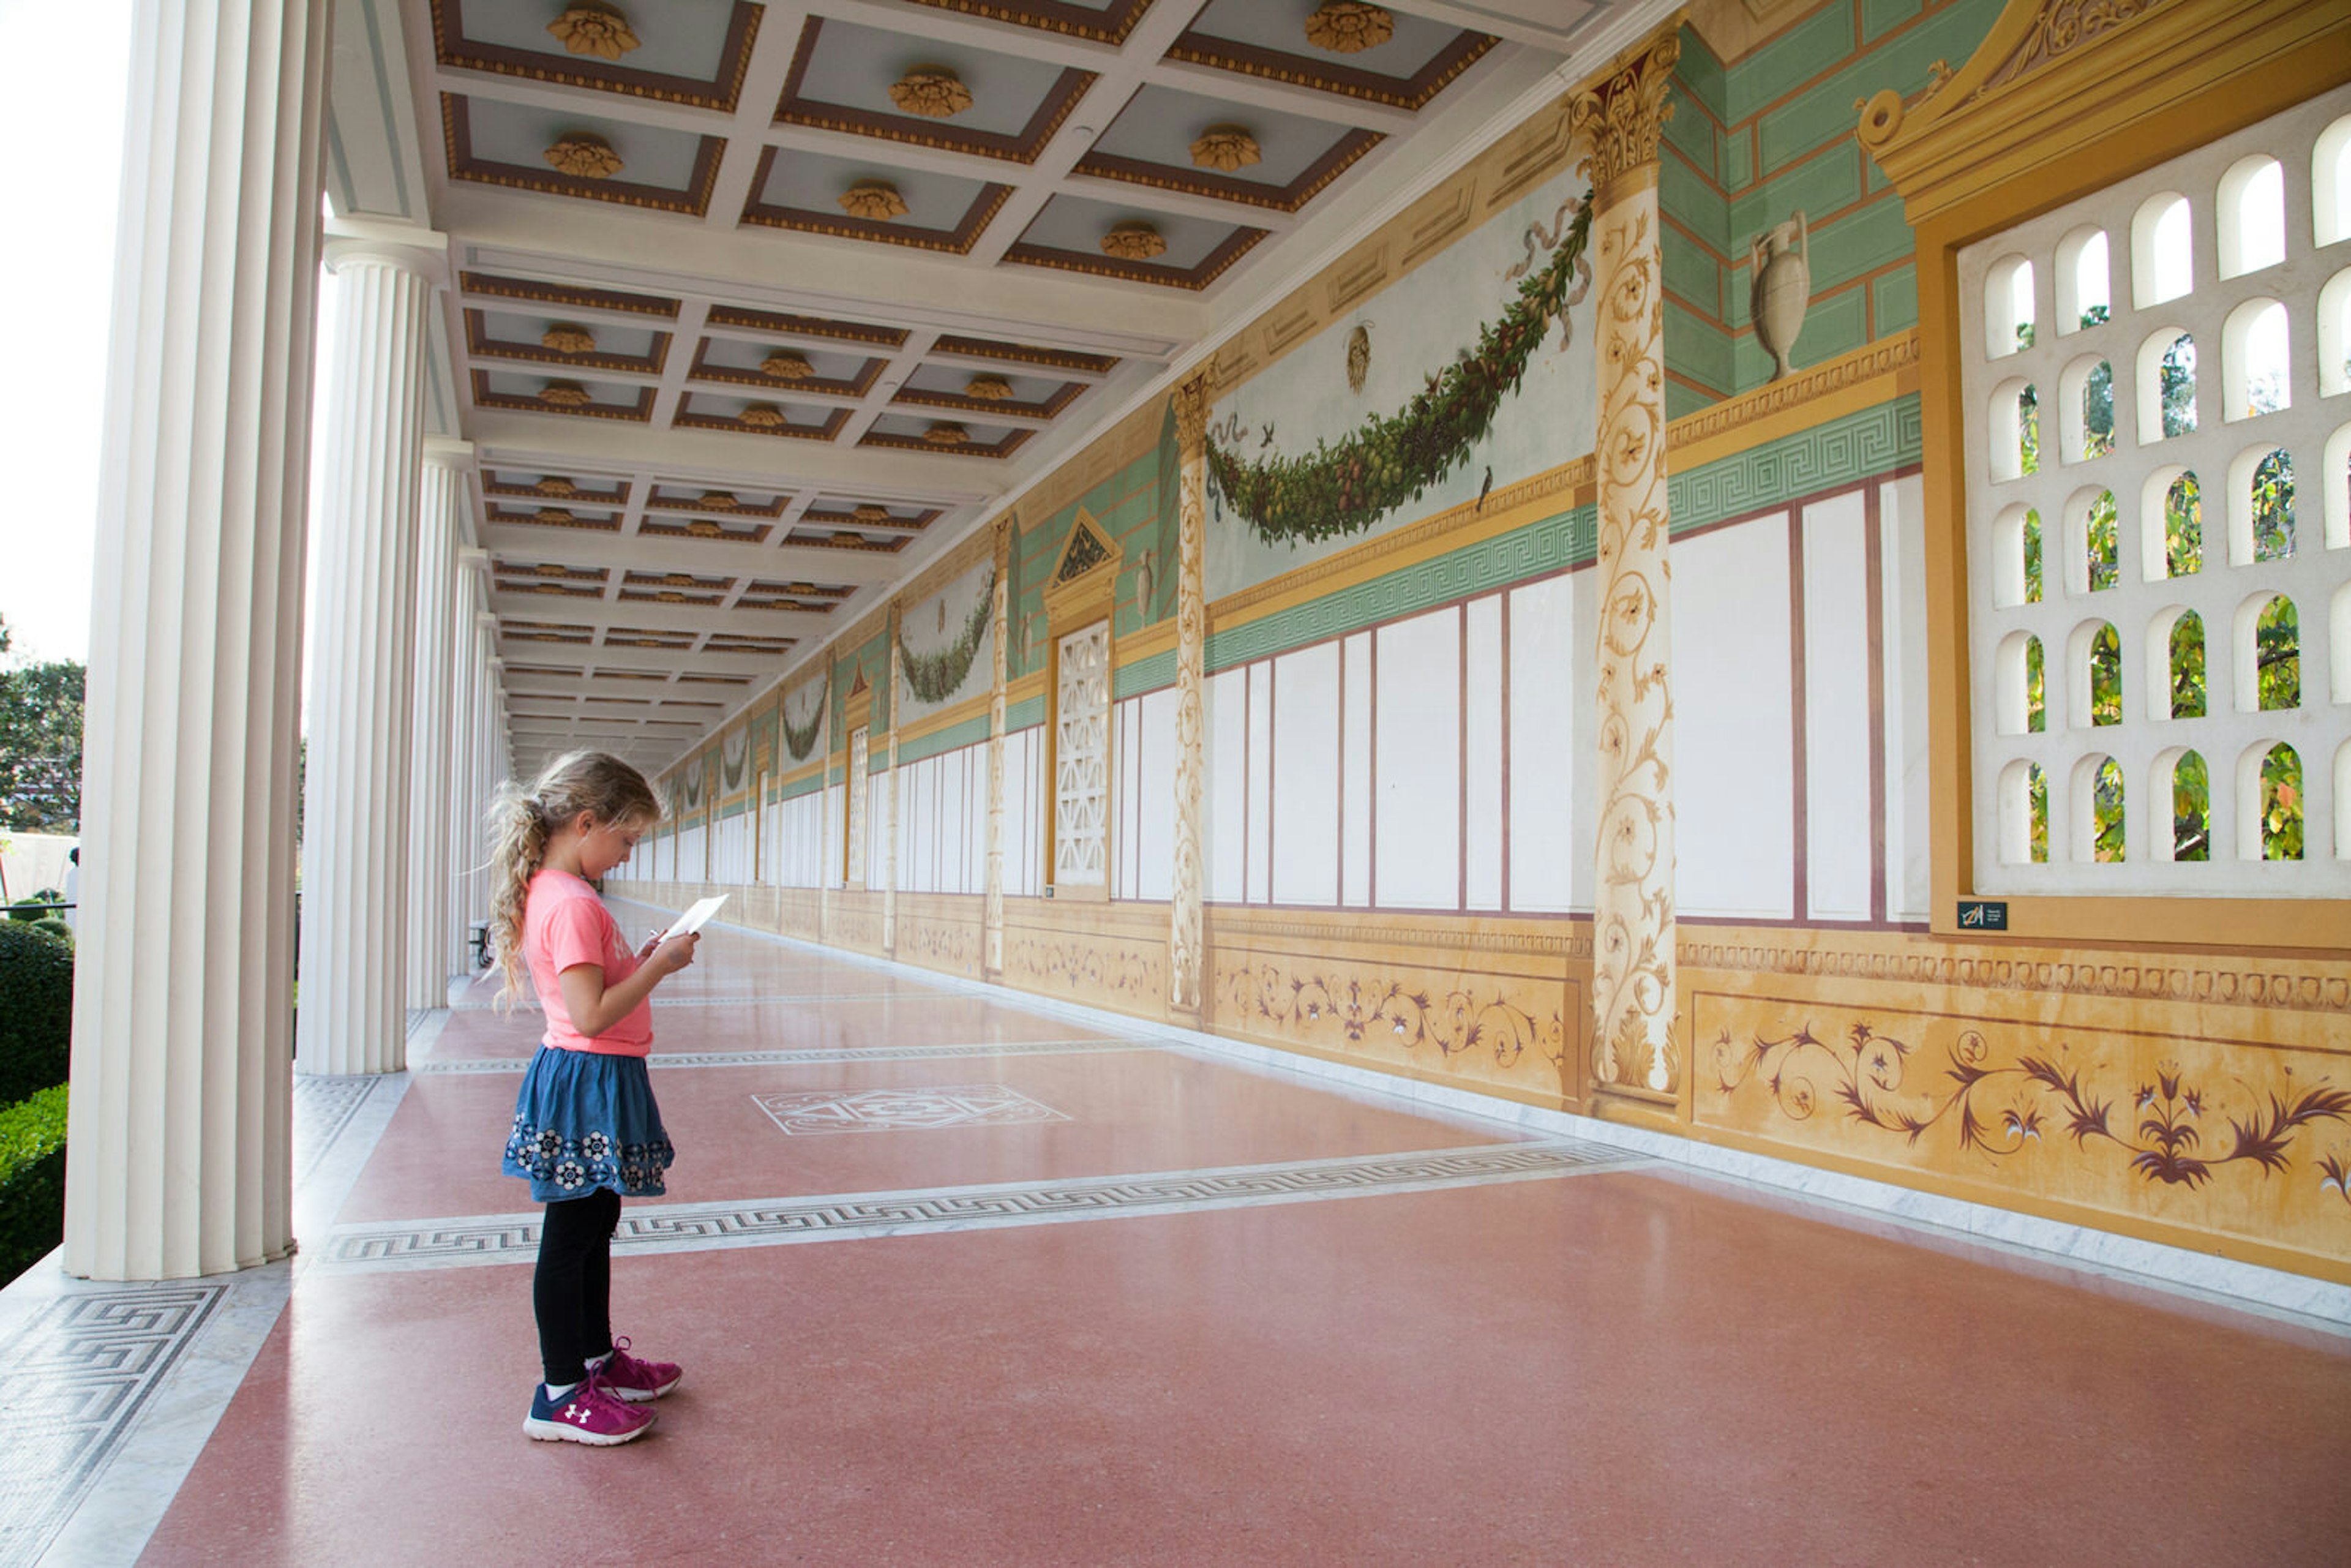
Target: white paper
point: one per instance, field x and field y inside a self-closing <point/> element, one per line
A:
<point x="696" y="918"/>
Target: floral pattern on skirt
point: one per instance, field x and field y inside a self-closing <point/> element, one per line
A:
<point x="584" y="1121"/>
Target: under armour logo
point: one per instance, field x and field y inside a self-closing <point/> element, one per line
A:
<point x="576" y="1413"/>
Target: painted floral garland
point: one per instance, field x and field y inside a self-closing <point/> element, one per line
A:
<point x="800" y="739"/>
<point x="1345" y="487"/>
<point x="934" y="677"/>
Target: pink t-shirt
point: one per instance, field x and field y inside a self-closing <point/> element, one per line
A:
<point x="564" y="923"/>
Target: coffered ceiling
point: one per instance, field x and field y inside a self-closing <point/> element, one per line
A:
<point x="757" y="307"/>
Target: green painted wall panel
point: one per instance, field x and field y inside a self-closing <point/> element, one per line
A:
<point x="1025" y="715"/>
<point x="1691" y="133"/>
<point x="1789" y="61"/>
<point x="1835" y="324"/>
<point x="1826" y="111"/>
<point x="1879" y="17"/>
<point x="970" y="732"/>
<point x="1828" y="183"/>
<point x="1698" y="207"/>
<point x="1894" y="299"/>
<point x="1862" y="241"/>
<point x="1700" y="75"/>
<point x="1144" y="675"/>
<point x="1841" y="452"/>
<point x="1738" y="158"/>
<point x="1694" y="274"/>
<point x="1696" y="348"/>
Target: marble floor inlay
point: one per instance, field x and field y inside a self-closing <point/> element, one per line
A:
<point x="661" y="1059"/>
<point x="678" y="1227"/>
<point x="79" y="1374"/>
<point x="925" y="1110"/>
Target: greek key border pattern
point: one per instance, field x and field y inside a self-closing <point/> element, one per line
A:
<point x="1839" y="452"/>
<point x="514" y="1239"/>
<point x="90" y="1362"/>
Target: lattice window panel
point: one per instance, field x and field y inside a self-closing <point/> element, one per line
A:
<point x="857" y="794"/>
<point x="2141" y="592"/>
<point x="1081" y="759"/>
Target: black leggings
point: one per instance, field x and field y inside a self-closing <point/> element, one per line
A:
<point x="572" y="1292"/>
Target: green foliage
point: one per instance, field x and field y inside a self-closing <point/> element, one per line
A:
<point x="2105" y="544"/>
<point x="1344" y="488"/>
<point x="40" y="747"/>
<point x="2183" y="526"/>
<point x="35" y="905"/>
<point x="35" y="1009"/>
<point x="2037" y="692"/>
<point x="2106" y="810"/>
<point x="2105" y="677"/>
<point x="2033" y="556"/>
<point x="2273" y="507"/>
<point x="32" y="1180"/>
<point x="2188" y="666"/>
<point x="801" y="739"/>
<point x="2192" y="827"/>
<point x="2036" y="789"/>
<point x="56" y="925"/>
<point x="2176" y="384"/>
<point x="2277" y="638"/>
<point x="2281" y="804"/>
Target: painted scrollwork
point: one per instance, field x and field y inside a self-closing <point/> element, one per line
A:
<point x="1186" y="931"/>
<point x="1633" y="917"/>
<point x="2168" y="1129"/>
<point x="1414" y="1018"/>
<point x="1083" y="968"/>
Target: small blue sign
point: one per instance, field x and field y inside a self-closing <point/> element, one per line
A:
<point x="1983" y="914"/>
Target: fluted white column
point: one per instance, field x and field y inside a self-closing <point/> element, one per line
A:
<point x="178" y="1155"/>
<point x="466" y="803"/>
<point x="441" y="495"/>
<point x="355" y="870"/>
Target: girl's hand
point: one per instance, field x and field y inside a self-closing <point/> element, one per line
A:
<point x="673" y="953"/>
<point x="651" y="942"/>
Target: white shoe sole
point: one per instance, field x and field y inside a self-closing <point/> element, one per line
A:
<point x="562" y="1432"/>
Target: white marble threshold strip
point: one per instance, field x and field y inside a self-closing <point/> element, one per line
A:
<point x="702" y="1227"/>
<point x="2196" y="1276"/>
<point x="661" y="1059"/>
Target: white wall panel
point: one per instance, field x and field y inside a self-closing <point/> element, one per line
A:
<point x="1733" y="720"/>
<point x="1418" y="763"/>
<point x="1838" y="763"/>
<point x="1902" y="534"/>
<point x="1226" y="724"/>
<point x="1482" y="752"/>
<point x="1306" y="777"/>
<point x="1155" y="761"/>
<point x="1546" y="668"/>
<point x="1355" y="773"/>
<point x="1258" y="881"/>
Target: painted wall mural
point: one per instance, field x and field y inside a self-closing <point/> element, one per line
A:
<point x="1473" y="366"/>
<point x="945" y="643"/>
<point x="804" y="713"/>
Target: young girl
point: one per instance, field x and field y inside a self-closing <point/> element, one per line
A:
<point x="586" y="1129"/>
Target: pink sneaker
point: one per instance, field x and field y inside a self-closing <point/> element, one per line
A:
<point x="637" y="1381"/>
<point x="589" y="1414"/>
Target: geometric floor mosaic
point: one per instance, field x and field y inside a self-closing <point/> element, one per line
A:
<point x="922" y="1110"/>
<point x="78" y="1375"/>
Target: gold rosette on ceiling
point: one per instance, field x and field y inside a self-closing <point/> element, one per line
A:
<point x="946" y="434"/>
<point x="1349" y="26"/>
<point x="764" y="416"/>
<point x="1133" y="242"/>
<point x="1225" y="148"/>
<point x="564" y="395"/>
<point x="988" y="389"/>
<point x="567" y="337"/>
<point x="703" y="528"/>
<point x="870" y="513"/>
<point x="876" y="200"/>
<point x="554" y="485"/>
<point x="547" y="568"/>
<point x="584" y="155"/>
<point x="594" y="28"/>
<point x="784" y="365"/>
<point x="718" y="498"/>
<point x="668" y="596"/>
<point x="554" y="517"/>
<point x="934" y="92"/>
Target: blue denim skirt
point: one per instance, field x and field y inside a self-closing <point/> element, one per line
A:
<point x="583" y="1120"/>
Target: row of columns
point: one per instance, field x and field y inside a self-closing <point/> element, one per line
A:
<point x="186" y="1030"/>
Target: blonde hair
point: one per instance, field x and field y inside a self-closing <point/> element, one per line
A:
<point x="601" y="785"/>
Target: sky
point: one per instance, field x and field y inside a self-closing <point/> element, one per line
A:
<point x="63" y="71"/>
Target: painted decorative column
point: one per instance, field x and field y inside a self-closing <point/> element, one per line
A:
<point x="1186" y="925"/>
<point x="179" y="1153"/>
<point x="441" y="494"/>
<point x="355" y="859"/>
<point x="889" y="794"/>
<point x="992" y="918"/>
<point x="1632" y="992"/>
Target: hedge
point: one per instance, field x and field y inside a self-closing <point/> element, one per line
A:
<point x="32" y="1180"/>
<point x="35" y="1009"/>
